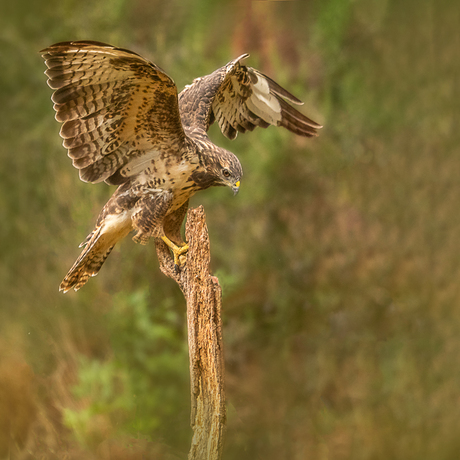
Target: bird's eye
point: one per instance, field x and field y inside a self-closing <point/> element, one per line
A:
<point x="226" y="172"/>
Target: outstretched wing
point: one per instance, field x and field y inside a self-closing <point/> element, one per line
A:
<point x="241" y="98"/>
<point x="118" y="110"/>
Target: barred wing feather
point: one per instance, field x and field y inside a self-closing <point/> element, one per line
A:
<point x="240" y="99"/>
<point x="115" y="108"/>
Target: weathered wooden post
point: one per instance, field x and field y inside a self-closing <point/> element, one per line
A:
<point x="203" y="295"/>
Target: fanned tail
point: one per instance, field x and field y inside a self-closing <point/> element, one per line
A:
<point x="113" y="224"/>
<point x="90" y="261"/>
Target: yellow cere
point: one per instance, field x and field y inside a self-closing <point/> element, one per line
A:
<point x="238" y="184"/>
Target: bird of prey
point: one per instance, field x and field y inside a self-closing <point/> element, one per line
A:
<point x="124" y="123"/>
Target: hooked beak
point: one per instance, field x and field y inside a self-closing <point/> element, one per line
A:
<point x="236" y="188"/>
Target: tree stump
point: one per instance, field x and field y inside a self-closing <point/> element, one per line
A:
<point x="203" y="295"/>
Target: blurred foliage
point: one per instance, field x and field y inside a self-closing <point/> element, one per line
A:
<point x="339" y="258"/>
<point x="146" y="381"/>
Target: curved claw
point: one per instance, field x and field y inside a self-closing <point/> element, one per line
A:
<point x="178" y="252"/>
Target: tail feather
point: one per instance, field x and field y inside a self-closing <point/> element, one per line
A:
<point x="113" y="224"/>
<point x="89" y="262"/>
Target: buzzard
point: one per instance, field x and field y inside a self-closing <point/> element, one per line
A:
<point x="124" y="123"/>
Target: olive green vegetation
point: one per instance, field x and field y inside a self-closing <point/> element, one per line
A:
<point x="339" y="259"/>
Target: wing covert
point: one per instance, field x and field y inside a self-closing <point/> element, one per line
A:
<point x="117" y="109"/>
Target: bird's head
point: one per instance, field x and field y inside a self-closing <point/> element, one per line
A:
<point x="228" y="171"/>
<point x="221" y="167"/>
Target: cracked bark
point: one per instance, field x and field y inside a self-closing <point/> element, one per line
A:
<point x="203" y="295"/>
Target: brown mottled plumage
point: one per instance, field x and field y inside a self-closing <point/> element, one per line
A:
<point x="123" y="123"/>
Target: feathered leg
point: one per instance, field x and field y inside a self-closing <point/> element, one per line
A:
<point x="151" y="221"/>
<point x="148" y="219"/>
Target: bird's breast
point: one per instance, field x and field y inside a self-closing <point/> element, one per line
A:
<point x="182" y="190"/>
<point x="170" y="178"/>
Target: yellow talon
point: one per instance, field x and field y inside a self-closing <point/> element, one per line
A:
<point x="178" y="251"/>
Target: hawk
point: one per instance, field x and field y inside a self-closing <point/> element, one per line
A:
<point x="124" y="123"/>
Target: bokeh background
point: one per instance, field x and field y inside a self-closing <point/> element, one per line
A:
<point x="339" y="259"/>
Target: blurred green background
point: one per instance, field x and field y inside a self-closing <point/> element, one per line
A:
<point x="339" y="259"/>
